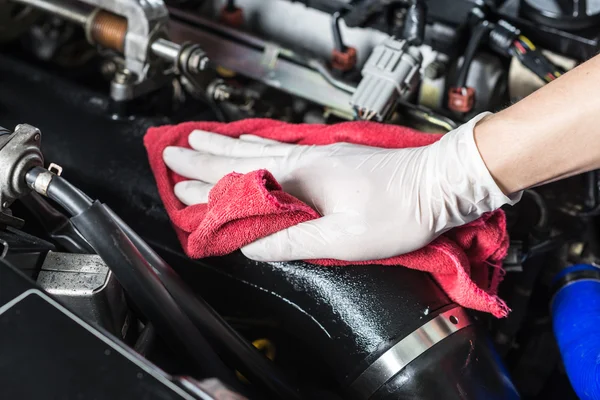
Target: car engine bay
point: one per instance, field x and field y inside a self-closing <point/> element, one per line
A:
<point x="98" y="299"/>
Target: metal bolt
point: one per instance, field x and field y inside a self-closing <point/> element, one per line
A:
<point x="124" y="76"/>
<point x="197" y="60"/>
<point x="435" y="69"/>
<point x="5" y="204"/>
<point x="108" y="68"/>
<point x="36" y="137"/>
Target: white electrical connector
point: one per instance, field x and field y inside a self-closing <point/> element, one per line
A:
<point x="392" y="71"/>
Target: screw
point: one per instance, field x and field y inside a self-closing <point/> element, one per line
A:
<point x="197" y="60"/>
<point x="125" y="76"/>
<point x="5" y="204"/>
<point x="36" y="137"/>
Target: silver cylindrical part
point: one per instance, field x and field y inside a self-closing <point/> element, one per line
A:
<point x="74" y="12"/>
<point x="166" y="50"/>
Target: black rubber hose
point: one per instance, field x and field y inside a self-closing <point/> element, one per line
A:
<point x="159" y="292"/>
<point x="136" y="276"/>
<point x="480" y="32"/>
<point x="338" y="42"/>
<point x="414" y="23"/>
<point x="66" y="195"/>
<point x="251" y="363"/>
<point x="56" y="224"/>
<point x="539" y="201"/>
<point x="147" y="291"/>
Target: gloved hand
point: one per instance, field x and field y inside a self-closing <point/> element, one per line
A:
<point x="375" y="203"/>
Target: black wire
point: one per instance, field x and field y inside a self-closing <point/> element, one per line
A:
<point x="542" y="206"/>
<point x="338" y="42"/>
<point x="414" y="23"/>
<point x="479" y="33"/>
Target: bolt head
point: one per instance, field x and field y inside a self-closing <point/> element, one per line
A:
<point x="124" y="76"/>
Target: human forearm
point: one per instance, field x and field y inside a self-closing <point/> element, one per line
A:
<point x="551" y="134"/>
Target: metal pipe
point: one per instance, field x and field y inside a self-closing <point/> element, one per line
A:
<point x="166" y="50"/>
<point x="74" y="12"/>
<point x="103" y="27"/>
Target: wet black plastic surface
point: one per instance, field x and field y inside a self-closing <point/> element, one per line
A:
<point x="463" y="366"/>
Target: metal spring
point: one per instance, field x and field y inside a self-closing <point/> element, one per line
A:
<point x="109" y="30"/>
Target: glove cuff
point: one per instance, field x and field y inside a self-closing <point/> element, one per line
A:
<point x="468" y="189"/>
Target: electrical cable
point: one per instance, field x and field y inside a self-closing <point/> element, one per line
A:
<point x="480" y="32"/>
<point x="251" y="363"/>
<point x="414" y="23"/>
<point x="528" y="54"/>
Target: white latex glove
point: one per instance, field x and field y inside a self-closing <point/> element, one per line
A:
<point x="375" y="203"/>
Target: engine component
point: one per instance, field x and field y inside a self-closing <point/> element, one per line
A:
<point x="460" y="97"/>
<point x="570" y="14"/>
<point x="19" y="152"/>
<point x="145" y="21"/>
<point x="136" y="40"/>
<point x="266" y="62"/>
<point x="282" y="22"/>
<point x="85" y="284"/>
<point x="158" y="291"/>
<point x="343" y="58"/>
<point x="232" y="15"/>
<point x="106" y="29"/>
<point x="392" y="71"/>
<point x="414" y="23"/>
<point x="70" y="358"/>
<point x="575" y="317"/>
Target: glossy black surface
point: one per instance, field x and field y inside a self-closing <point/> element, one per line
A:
<point x="47" y="353"/>
<point x="342" y="315"/>
<point x="463" y="366"/>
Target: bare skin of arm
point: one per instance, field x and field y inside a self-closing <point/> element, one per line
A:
<point x="552" y="134"/>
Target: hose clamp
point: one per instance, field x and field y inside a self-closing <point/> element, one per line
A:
<point x="42" y="182"/>
<point x="406" y="350"/>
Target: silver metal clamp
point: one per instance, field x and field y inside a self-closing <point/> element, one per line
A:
<point x="406" y="350"/>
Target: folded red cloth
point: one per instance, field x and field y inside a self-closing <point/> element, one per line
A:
<point x="466" y="261"/>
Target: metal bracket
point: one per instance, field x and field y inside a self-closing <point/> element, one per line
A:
<point x="146" y="19"/>
<point x="19" y="152"/>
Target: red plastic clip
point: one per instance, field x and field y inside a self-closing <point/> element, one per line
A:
<point x="232" y="17"/>
<point x="461" y="99"/>
<point x="344" y="60"/>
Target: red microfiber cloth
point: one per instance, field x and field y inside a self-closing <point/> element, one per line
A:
<point x="466" y="261"/>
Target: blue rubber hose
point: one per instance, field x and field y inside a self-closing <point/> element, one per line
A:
<point x="576" y="323"/>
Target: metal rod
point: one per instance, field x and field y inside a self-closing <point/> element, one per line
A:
<point x="74" y="12"/>
<point x="166" y="50"/>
